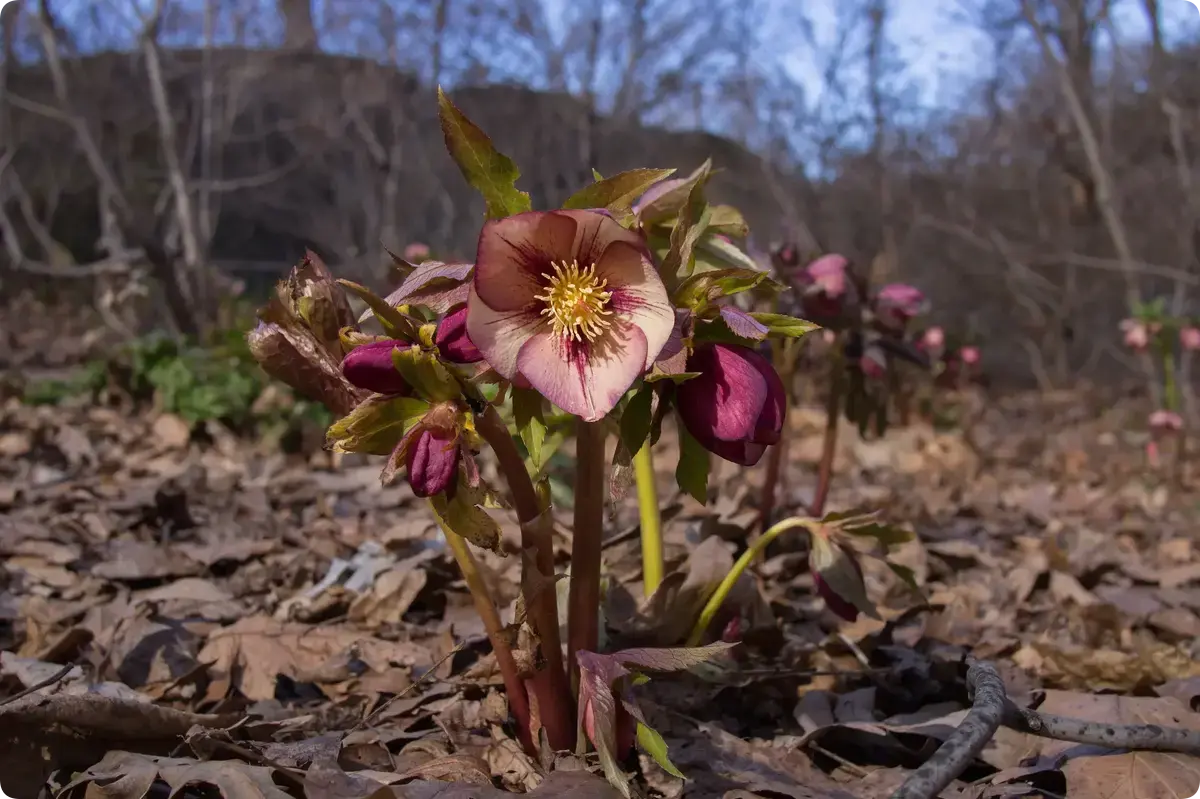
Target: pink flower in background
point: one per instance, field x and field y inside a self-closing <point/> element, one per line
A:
<point x="570" y="301"/>
<point x="1189" y="338"/>
<point x="933" y="339"/>
<point x="897" y="303"/>
<point x="969" y="355"/>
<point x="370" y="366"/>
<point x="1165" y="423"/>
<point x="825" y="292"/>
<point x="873" y="363"/>
<point x="416" y="252"/>
<point x="1138" y="333"/>
<point x="735" y="407"/>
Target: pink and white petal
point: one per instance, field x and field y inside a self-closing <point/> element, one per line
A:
<point x="499" y="335"/>
<point x="638" y="294"/>
<point x="594" y="232"/>
<point x="585" y="378"/>
<point x="514" y="253"/>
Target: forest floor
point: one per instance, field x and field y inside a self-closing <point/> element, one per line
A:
<point x="193" y="608"/>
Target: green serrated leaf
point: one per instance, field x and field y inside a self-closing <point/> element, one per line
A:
<point x="493" y="174"/>
<point x="636" y="418"/>
<point x="376" y="426"/>
<point x="652" y="743"/>
<point x="531" y="426"/>
<point x="784" y="325"/>
<point x="692" y="472"/>
<point x="618" y="193"/>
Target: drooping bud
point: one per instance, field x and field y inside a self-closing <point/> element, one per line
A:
<point x="370" y="367"/>
<point x="452" y="340"/>
<point x="433" y="462"/>
<point x="735" y="407"/>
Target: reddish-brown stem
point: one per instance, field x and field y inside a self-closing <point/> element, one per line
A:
<point x="555" y="701"/>
<point x="583" y="604"/>
<point x="833" y="412"/>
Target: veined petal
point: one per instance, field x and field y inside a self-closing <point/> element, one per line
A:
<point x="514" y="253"/>
<point x="499" y="335"/>
<point x="726" y="399"/>
<point x="595" y="231"/>
<point x="584" y="378"/>
<point x="638" y="293"/>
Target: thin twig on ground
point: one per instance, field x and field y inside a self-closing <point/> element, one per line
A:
<point x="991" y="709"/>
<point x="46" y="683"/>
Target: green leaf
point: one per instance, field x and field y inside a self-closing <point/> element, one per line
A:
<point x="652" y="743"/>
<point x="596" y="175"/>
<point x="636" y="418"/>
<point x="784" y="325"/>
<point x="395" y="324"/>
<point x="376" y="425"/>
<point x="493" y="174"/>
<point x="886" y="534"/>
<point x="618" y="193"/>
<point x="699" y="290"/>
<point x="692" y="472"/>
<point x="527" y="414"/>
<point x="427" y="375"/>
<point x="672" y="202"/>
<point x="693" y="221"/>
<point x="464" y="516"/>
<point x="729" y="221"/>
<point x="657" y="374"/>
<point x="906" y="574"/>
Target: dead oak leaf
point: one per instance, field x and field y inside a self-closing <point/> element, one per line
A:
<point x="257" y="650"/>
<point x="126" y="775"/>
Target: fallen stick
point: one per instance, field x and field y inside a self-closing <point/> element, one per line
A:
<point x="991" y="709"/>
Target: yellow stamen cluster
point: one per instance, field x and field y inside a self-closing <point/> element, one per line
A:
<point x="575" y="302"/>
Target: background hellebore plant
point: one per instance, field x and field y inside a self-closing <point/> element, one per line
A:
<point x="609" y="313"/>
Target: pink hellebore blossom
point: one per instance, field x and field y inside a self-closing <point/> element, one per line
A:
<point x="933" y="339"/>
<point x="1137" y="333"/>
<point x="896" y="303"/>
<point x="825" y="288"/>
<point x="1189" y="338"/>
<point x="1163" y="423"/>
<point x="571" y="302"/>
<point x="735" y="407"/>
<point x="969" y="355"/>
<point x="452" y="340"/>
<point x="370" y="366"/>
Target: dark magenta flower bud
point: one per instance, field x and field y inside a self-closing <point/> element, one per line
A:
<point x="833" y="601"/>
<point x="433" y="462"/>
<point x="452" y="340"/>
<point x="736" y="406"/>
<point x="370" y="366"/>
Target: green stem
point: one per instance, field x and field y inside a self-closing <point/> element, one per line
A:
<point x="652" y="545"/>
<point x="554" y="697"/>
<point x="518" y="697"/>
<point x="1170" y="384"/>
<point x="722" y="593"/>
<point x="583" y="602"/>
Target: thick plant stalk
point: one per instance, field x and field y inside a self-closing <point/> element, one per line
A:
<point x="518" y="698"/>
<point x="583" y="602"/>
<point x="555" y="699"/>
<point x="833" y="412"/>
<point x="709" y="612"/>
<point x="652" y="545"/>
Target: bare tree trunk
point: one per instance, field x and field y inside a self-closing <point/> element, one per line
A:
<point x="299" y="31"/>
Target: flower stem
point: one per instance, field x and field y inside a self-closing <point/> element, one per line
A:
<point x="833" y="412"/>
<point x="722" y="593"/>
<point x="652" y="545"/>
<point x="786" y="353"/>
<point x="555" y="700"/>
<point x="583" y="602"/>
<point x="518" y="698"/>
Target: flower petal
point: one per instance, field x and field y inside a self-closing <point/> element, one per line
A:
<point x="452" y="339"/>
<point x="499" y="335"/>
<point x="432" y="462"/>
<point x="514" y="253"/>
<point x="370" y="366"/>
<point x="584" y="378"/>
<point x="725" y="400"/>
<point x="638" y="293"/>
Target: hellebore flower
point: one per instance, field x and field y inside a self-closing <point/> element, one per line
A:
<point x="969" y="355"/>
<point x="833" y="600"/>
<point x="735" y="407"/>
<point x="1138" y="333"/>
<point x="826" y="289"/>
<point x="1189" y="338"/>
<point x="431" y="452"/>
<point x="571" y="302"/>
<point x="1165" y="423"/>
<point x="370" y="366"/>
<point x="873" y="363"/>
<point x="932" y="340"/>
<point x="897" y="303"/>
<point x="416" y="252"/>
<point x="452" y="340"/>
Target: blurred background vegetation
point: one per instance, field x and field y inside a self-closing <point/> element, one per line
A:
<point x="1029" y="163"/>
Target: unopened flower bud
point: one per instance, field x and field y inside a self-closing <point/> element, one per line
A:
<point x="452" y="340"/>
<point x="371" y="367"/>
